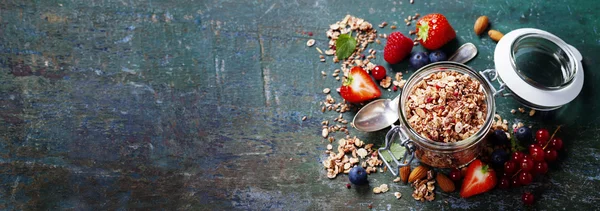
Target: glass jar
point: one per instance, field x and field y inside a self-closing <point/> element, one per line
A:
<point x="447" y="154"/>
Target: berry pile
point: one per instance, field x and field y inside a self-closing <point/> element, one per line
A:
<point x="519" y="168"/>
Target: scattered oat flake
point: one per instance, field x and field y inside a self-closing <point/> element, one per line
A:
<point x="362" y="152"/>
<point x="310" y="42"/>
<point x="522" y="110"/>
<point x="398" y="195"/>
<point x="532" y="112"/>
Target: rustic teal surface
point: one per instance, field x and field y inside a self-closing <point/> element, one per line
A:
<point x="197" y="105"/>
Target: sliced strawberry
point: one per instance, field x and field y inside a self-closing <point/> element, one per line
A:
<point x="479" y="178"/>
<point x="434" y="31"/>
<point x="359" y="87"/>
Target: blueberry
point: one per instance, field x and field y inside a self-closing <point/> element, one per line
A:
<point x="524" y="135"/>
<point x="358" y="176"/>
<point x="499" y="137"/>
<point x="418" y="60"/>
<point x="437" y="56"/>
<point x="499" y="157"/>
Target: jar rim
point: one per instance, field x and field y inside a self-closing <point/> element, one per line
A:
<point x="439" y="67"/>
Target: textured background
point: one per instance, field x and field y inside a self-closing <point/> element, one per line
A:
<point x="126" y="104"/>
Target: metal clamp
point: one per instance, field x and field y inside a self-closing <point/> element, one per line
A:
<point x="491" y="75"/>
<point x="404" y="141"/>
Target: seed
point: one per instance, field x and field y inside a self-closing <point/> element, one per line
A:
<point x="303" y="118"/>
<point x="325" y="132"/>
<point x="329" y="146"/>
<point x="412" y="1"/>
<point x="310" y="42"/>
<point x="393" y="27"/>
<point x="411" y="32"/>
<point x="326" y="90"/>
<point x="532" y="112"/>
<point x="319" y="50"/>
<point x="408" y="23"/>
<point x="417" y="15"/>
<point x="323" y="73"/>
<point x="415" y="43"/>
<point x="513" y="111"/>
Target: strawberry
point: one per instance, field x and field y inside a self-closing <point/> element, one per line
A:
<point x="434" y="31"/>
<point x="397" y="48"/>
<point x="480" y="178"/>
<point x="359" y="87"/>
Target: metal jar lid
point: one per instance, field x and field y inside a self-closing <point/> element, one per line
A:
<point x="537" y="68"/>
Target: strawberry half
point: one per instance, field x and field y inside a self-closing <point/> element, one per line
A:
<point x="434" y="31"/>
<point x="480" y="178"/>
<point x="358" y="87"/>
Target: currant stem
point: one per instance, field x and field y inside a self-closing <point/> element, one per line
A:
<point x="548" y="142"/>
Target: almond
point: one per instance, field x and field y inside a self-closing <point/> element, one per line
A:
<point x="418" y="173"/>
<point x="481" y="24"/>
<point x="495" y="35"/>
<point x="404" y="173"/>
<point x="445" y="183"/>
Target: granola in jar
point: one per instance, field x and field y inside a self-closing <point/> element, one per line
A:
<point x="446" y="106"/>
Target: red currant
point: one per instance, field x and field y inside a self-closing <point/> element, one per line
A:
<point x="550" y="155"/>
<point x="504" y="183"/>
<point x="542" y="136"/>
<point x="514" y="182"/>
<point x="536" y="152"/>
<point x="455" y="175"/>
<point x="378" y="72"/>
<point x="540" y="167"/>
<point x="525" y="178"/>
<point x="510" y="167"/>
<point x="556" y="143"/>
<point x="516" y="155"/>
<point x="527" y="198"/>
<point x="526" y="164"/>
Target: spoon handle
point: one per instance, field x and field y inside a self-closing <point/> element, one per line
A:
<point x="465" y="53"/>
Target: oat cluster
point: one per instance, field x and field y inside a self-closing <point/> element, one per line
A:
<point x="349" y="153"/>
<point x="424" y="188"/>
<point x="446" y="106"/>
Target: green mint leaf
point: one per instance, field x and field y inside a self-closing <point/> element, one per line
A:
<point x="397" y="151"/>
<point x="344" y="46"/>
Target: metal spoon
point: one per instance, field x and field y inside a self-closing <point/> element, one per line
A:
<point x="382" y="113"/>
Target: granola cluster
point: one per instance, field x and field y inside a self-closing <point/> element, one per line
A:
<point x="340" y="162"/>
<point x="363" y="32"/>
<point x="446" y="106"/>
<point x="424" y="188"/>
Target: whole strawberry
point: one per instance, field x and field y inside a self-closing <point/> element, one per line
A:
<point x="397" y="48"/>
<point x="434" y="31"/>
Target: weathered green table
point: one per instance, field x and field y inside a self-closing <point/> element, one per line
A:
<point x="149" y="105"/>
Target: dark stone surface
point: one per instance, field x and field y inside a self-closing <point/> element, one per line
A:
<point x="197" y="104"/>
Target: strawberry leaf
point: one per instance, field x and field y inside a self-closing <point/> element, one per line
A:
<point x="344" y="46"/>
<point x="423" y="32"/>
